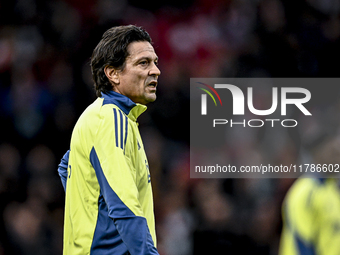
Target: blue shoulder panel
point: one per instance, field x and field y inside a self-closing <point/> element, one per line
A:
<point x="116" y="207"/>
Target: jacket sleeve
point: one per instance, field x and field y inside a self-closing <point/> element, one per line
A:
<point x="117" y="180"/>
<point x="62" y="169"/>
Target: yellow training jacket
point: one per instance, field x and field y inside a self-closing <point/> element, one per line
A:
<point x="109" y="204"/>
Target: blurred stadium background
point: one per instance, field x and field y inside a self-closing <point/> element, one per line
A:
<point x="45" y="84"/>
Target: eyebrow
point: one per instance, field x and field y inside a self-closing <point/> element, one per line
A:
<point x="146" y="57"/>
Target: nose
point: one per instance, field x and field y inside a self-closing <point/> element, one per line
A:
<point x="154" y="71"/>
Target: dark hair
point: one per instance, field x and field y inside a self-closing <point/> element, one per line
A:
<point x="112" y="51"/>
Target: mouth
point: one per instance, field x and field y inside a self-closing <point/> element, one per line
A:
<point x="152" y="84"/>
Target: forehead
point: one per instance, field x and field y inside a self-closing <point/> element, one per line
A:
<point x="139" y="49"/>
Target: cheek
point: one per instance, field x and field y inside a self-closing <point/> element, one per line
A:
<point x="134" y="83"/>
<point x="137" y="87"/>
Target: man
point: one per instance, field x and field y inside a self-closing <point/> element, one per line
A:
<point x="109" y="204"/>
<point x="311" y="210"/>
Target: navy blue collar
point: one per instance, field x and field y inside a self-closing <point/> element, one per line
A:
<point x="123" y="102"/>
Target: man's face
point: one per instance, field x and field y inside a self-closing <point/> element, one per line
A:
<point x="138" y="80"/>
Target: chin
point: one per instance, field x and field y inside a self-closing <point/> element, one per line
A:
<point x="151" y="98"/>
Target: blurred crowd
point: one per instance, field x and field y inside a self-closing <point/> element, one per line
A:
<point x="45" y="84"/>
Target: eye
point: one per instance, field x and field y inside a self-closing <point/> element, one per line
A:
<point x="143" y="63"/>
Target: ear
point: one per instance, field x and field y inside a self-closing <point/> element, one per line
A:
<point x="112" y="74"/>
